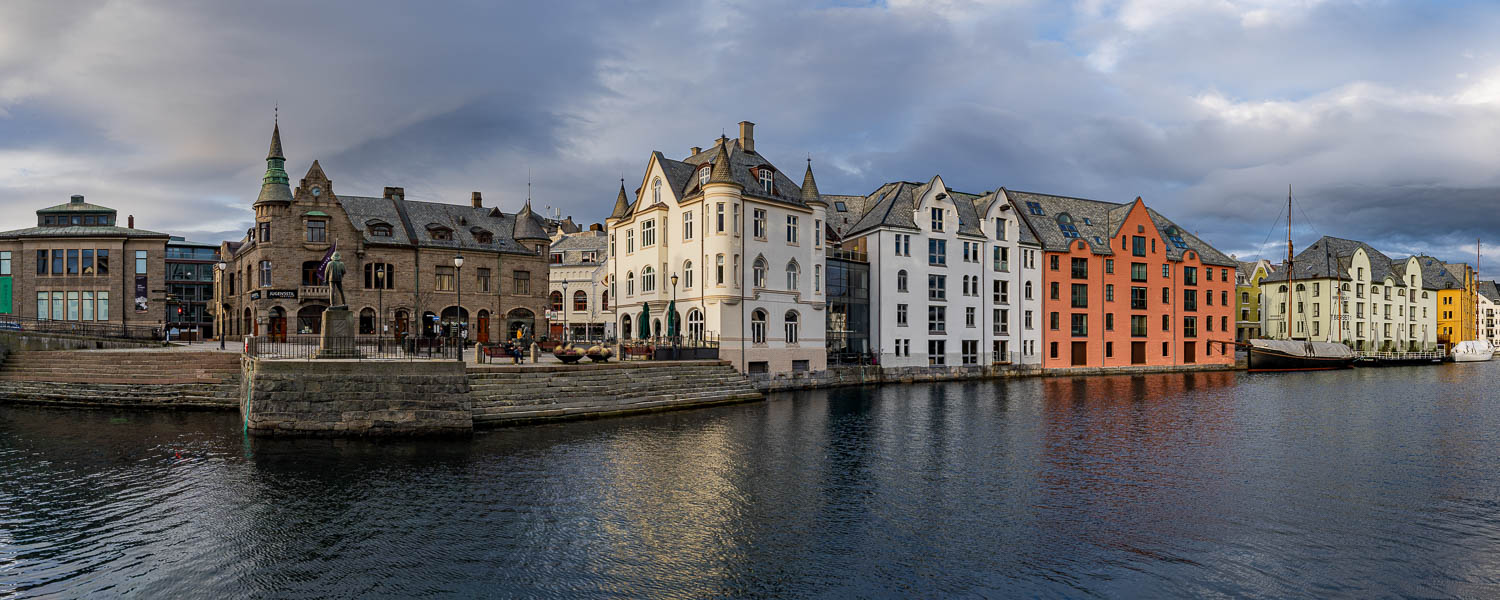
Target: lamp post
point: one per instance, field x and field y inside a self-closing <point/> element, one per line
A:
<point x="563" y="306"/>
<point x="380" y="308"/>
<point x="672" y="320"/>
<point x="222" y="265"/>
<point x="458" y="266"/>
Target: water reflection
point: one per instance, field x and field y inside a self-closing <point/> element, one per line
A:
<point x="1357" y="483"/>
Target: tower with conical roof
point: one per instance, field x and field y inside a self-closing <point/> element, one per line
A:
<point x="622" y="203"/>
<point x="275" y="187"/>
<point x="810" y="195"/>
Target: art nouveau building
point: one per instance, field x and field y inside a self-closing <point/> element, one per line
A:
<point x="1248" y="298"/>
<point x="1347" y="291"/>
<point x="723" y="245"/>
<point x="401" y="279"/>
<point x="953" y="276"/>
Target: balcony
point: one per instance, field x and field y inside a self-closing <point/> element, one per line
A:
<point x="315" y="292"/>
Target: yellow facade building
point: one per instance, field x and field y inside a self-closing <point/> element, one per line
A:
<point x="1247" y="313"/>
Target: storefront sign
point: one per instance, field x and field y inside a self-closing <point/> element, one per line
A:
<point x="282" y="294"/>
<point x="255" y="295"/>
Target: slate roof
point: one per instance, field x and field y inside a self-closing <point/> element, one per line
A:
<point x="1098" y="222"/>
<point x="1436" y="276"/>
<point x="72" y="231"/>
<point x="1488" y="289"/>
<point x="411" y="222"/>
<point x="573" y="246"/>
<point x="842" y="220"/>
<point x="1331" y="258"/>
<point x="680" y="174"/>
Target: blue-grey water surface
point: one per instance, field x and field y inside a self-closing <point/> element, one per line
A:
<point x="1363" y="483"/>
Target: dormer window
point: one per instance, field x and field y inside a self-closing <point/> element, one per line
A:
<point x="381" y="230"/>
<point x="49" y="220"/>
<point x="1065" y="224"/>
<point x="765" y="180"/>
<point x="439" y="233"/>
<point x="482" y="236"/>
<point x="703" y="174"/>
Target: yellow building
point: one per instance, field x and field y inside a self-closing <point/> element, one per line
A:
<point x="1455" y="300"/>
<point x="1248" y="275"/>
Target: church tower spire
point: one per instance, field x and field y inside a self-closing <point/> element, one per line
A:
<point x="275" y="186"/>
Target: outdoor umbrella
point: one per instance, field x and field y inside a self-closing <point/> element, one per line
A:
<point x="672" y="319"/>
<point x="645" y="321"/>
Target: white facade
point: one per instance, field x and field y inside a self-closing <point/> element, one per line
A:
<point x="749" y="267"/>
<point x="1393" y="312"/>
<point x="578" y="299"/>
<point x="945" y="297"/>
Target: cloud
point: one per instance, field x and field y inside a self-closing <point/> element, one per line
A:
<point x="1383" y="116"/>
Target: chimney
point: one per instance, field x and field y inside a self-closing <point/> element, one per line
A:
<point x="694" y="151"/>
<point x="596" y="227"/>
<point x="747" y="136"/>
<point x="477" y="200"/>
<point x="77" y="199"/>
<point x="129" y="221"/>
<point x="395" y="193"/>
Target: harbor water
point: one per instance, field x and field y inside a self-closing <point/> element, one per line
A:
<point x="1358" y="483"/>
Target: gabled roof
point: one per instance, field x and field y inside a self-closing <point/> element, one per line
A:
<point x="1489" y="290"/>
<point x="573" y="246"/>
<point x="460" y="219"/>
<point x="1331" y="258"/>
<point x="740" y="166"/>
<point x="1436" y="276"/>
<point x="1097" y="222"/>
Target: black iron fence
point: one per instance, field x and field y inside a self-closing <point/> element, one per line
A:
<point x="83" y="328"/>
<point x="309" y="347"/>
<point x="701" y="347"/>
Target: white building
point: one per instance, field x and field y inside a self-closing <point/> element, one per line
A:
<point x="954" y="277"/>
<point x="736" y="244"/>
<point x="1379" y="304"/>
<point x="1486" y="309"/>
<point x="578" y="294"/>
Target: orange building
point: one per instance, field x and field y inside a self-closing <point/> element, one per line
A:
<point x="1124" y="286"/>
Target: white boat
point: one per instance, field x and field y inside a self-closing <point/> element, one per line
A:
<point x="1473" y="351"/>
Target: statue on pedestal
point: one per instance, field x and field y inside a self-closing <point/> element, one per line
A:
<point x="335" y="278"/>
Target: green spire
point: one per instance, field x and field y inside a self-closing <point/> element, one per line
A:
<point x="276" y="185"/>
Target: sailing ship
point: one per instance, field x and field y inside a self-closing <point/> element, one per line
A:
<point x="1296" y="355"/>
<point x="1476" y="350"/>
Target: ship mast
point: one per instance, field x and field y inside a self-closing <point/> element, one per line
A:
<point x="1287" y="297"/>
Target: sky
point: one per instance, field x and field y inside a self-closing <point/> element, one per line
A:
<point x="1383" y="117"/>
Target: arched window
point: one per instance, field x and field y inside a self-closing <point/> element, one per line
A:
<point x="604" y="300"/>
<point x="629" y="283"/>
<point x="625" y="327"/>
<point x="793" y="273"/>
<point x="791" y="326"/>
<point x="758" y="327"/>
<point x="1028" y="290"/>
<point x="817" y="278"/>
<point x="580" y="301"/>
<point x="656" y="191"/>
<point x="1282" y="290"/>
<point x="1301" y="287"/>
<point x="648" y="280"/>
<point x="367" y="321"/>
<point x="687" y="274"/>
<point x="556" y="298"/>
<point x="719" y="269"/>
<point x="759" y="272"/>
<point x="901" y="280"/>
<point x="703" y="174"/>
<point x="695" y="324"/>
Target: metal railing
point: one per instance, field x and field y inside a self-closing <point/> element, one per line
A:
<point x="670" y="348"/>
<point x="310" y="347"/>
<point x="83" y="328"/>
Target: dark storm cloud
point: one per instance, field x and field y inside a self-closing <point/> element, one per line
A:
<point x="1384" y="116"/>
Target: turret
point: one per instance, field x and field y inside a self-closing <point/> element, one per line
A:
<point x="622" y="204"/>
<point x="810" y="195"/>
<point x="529" y="226"/>
<point x="275" y="186"/>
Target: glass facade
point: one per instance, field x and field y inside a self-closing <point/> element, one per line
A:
<point x="848" y="338"/>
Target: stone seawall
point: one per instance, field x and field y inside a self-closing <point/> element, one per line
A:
<point x="354" y="398"/>
<point x="876" y="375"/>
<point x="509" y="395"/>
<point x="133" y="379"/>
<point x="26" y="341"/>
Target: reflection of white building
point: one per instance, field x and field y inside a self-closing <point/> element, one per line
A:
<point x="578" y="299"/>
<point x="743" y="244"/>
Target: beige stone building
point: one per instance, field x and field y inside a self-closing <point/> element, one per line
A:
<point x="79" y="265"/>
<point x="399" y="254"/>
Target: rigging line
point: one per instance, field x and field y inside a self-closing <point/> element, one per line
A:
<point x="1262" y="248"/>
<point x="1305" y="218"/>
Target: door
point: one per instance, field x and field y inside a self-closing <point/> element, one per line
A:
<point x="484" y="328"/>
<point x="1080" y="354"/>
<point x="1137" y="353"/>
<point x="278" y="329"/>
<point x="1187" y="352"/>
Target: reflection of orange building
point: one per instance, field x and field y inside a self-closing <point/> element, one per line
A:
<point x="1123" y="286"/>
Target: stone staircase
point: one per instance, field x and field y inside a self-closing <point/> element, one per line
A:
<point x="151" y="379"/>
<point x="504" y="395"/>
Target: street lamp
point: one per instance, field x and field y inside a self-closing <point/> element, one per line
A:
<point x="563" y="306"/>
<point x="380" y="308"/>
<point x="458" y="266"/>
<point x="672" y="316"/>
<point x="222" y="265"/>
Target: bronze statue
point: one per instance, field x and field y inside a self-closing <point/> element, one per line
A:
<point x="335" y="277"/>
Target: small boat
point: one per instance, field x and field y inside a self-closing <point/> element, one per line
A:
<point x="1473" y="351"/>
<point x="1292" y="355"/>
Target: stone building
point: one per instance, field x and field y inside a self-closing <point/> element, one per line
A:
<point x="736" y="244"/>
<point x="578" y="296"/>
<point x="399" y="254"/>
<point x="79" y="265"/>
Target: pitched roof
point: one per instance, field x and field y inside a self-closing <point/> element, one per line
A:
<point x="1331" y="258"/>
<point x="810" y="193"/>
<point x="1436" y="276"/>
<point x="1097" y="222"/>
<point x="853" y="207"/>
<point x="413" y="222"/>
<point x="622" y="204"/>
<point x="1489" y="290"/>
<point x="529" y="226"/>
<point x="70" y="207"/>
<point x="81" y="231"/>
<point x="741" y="165"/>
<point x="573" y="246"/>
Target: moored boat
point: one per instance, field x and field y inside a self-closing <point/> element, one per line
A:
<point x="1473" y="351"/>
<point x="1292" y="355"/>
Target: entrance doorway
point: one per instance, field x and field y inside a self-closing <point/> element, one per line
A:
<point x="278" y="324"/>
<point x="484" y="327"/>
<point x="1080" y="354"/>
<point x="1137" y="353"/>
<point x="1188" y="352"/>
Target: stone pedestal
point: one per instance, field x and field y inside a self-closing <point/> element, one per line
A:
<point x="338" y="334"/>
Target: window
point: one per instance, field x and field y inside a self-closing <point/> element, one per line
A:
<point x="1175" y="236"/>
<point x="901" y="280"/>
<point x="1109" y="292"/>
<point x="1166" y="322"/>
<point x="999" y="228"/>
<point x="1137" y="246"/>
<point x="1190" y="300"/>
<point x="719" y="269"/>
<point x="380" y="230"/>
<point x="971" y="352"/>
<point x="101" y="262"/>
<point x="317" y="231"/>
<point x="791" y="327"/>
<point x="1002" y="321"/>
<point x="1034" y="208"/>
<point x="703" y="174"/>
<point x="378" y="276"/>
<point x="73" y="264"/>
<point x="687" y="225"/>
<point x="937" y="252"/>
<point x="937" y="319"/>
<point x="1065" y="224"/>
<point x="1028" y="290"/>
<point x="265" y="273"/>
<point x="1190" y="327"/>
<point x="817" y="278"/>
<point x="1138" y="326"/>
<point x="1002" y="258"/>
<point x="1080" y="268"/>
<point x="443" y="282"/>
<point x="1137" y="271"/>
<point x="629" y="241"/>
<point x="687" y="274"/>
<point x="791" y="229"/>
<point x="265" y="231"/>
<point x="1190" y="275"/>
<point x="1080" y="295"/>
<point x="758" y="327"/>
<point x="522" y="282"/>
<point x="765" y="179"/>
<point x="903" y="244"/>
<point x="41" y="262"/>
<point x="648" y="233"/>
<point x="1052" y="262"/>
<point x="792" y="274"/>
<point x="648" y="280"/>
<point x="1109" y="265"/>
<point x="140" y="261"/>
<point x="1137" y="298"/>
<point x="937" y="287"/>
<point x="969" y="316"/>
<point x="758" y="223"/>
<point x="629" y="283"/>
<point x="719" y="217"/>
<point x="483" y="274"/>
<point x="580" y="301"/>
<point x="817" y="232"/>
<point x="758" y="272"/>
<point x="1080" y="325"/>
<point x="440" y="233"/>
<point x="736" y="218"/>
<point x="901" y="315"/>
<point x="936" y="352"/>
<point x="937" y="219"/>
<point x="1002" y="292"/>
<point x="656" y="191"/>
<point x="903" y="347"/>
<point x="1053" y="321"/>
<point x="1053" y="294"/>
<point x="1109" y="321"/>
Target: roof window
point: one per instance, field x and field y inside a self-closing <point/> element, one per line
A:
<point x="1035" y="208"/>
